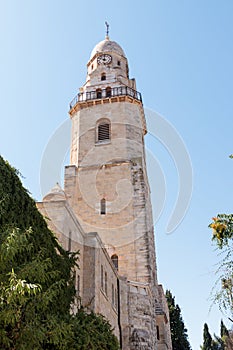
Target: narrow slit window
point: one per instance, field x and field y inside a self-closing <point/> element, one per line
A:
<point x="114" y="259"/>
<point x="78" y="284"/>
<point x="75" y="279"/>
<point x="113" y="296"/>
<point x="116" y="299"/>
<point x="158" y="335"/>
<point x="103" y="132"/>
<point x="102" y="277"/>
<point x="69" y="242"/>
<point x="106" y="283"/>
<point x="103" y="206"/>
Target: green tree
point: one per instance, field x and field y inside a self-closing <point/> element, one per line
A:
<point x="224" y="342"/>
<point x="36" y="281"/>
<point x="93" y="331"/>
<point x="207" y="339"/>
<point x="226" y="337"/>
<point x="223" y="330"/>
<point x="178" y="331"/>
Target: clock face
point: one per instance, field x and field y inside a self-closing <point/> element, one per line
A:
<point x="104" y="59"/>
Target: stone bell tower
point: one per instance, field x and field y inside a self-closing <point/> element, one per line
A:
<point x="107" y="187"/>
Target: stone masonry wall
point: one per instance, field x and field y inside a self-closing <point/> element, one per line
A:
<point x="62" y="221"/>
<point x="99" y="298"/>
<point x="125" y="226"/>
<point x="163" y="322"/>
<point x="141" y="318"/>
<point x="101" y="288"/>
<point x="85" y="150"/>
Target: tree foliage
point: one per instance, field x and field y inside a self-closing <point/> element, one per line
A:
<point x="37" y="282"/>
<point x="222" y="226"/>
<point x="222" y="229"/>
<point x="93" y="331"/>
<point x="178" y="331"/>
<point x="224" y="342"/>
<point x="207" y="339"/>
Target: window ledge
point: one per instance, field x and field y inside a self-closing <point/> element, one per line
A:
<point x="104" y="294"/>
<point x="101" y="143"/>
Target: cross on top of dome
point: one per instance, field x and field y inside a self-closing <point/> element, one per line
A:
<point x="107" y="45"/>
<point x="107" y="30"/>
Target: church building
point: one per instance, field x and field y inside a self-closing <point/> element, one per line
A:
<point x="104" y="210"/>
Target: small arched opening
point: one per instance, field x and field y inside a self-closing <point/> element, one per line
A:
<point x="103" y="76"/>
<point x="114" y="259"/>
<point x="98" y="93"/>
<point x="108" y="92"/>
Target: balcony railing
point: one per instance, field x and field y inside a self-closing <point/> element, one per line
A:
<point x="106" y="93"/>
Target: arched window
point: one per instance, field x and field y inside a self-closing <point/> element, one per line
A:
<point x="103" y="76"/>
<point x="98" y="93"/>
<point x="103" y="131"/>
<point x="108" y="92"/>
<point x="103" y="206"/>
<point x="114" y="259"/>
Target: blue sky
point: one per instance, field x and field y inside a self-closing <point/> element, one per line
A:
<point x="181" y="54"/>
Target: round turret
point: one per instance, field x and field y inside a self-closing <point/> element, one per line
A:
<point x="107" y="66"/>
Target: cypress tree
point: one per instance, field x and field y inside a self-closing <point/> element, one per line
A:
<point x="178" y="331"/>
<point x="207" y="339"/>
<point x="223" y="330"/>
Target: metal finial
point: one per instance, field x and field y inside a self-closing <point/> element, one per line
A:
<point x="107" y="29"/>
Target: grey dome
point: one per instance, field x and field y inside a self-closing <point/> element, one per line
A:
<point x="107" y="46"/>
<point x="55" y="194"/>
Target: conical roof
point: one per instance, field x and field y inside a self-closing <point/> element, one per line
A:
<point x="56" y="193"/>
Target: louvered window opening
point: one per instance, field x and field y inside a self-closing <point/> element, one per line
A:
<point x="103" y="132"/>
